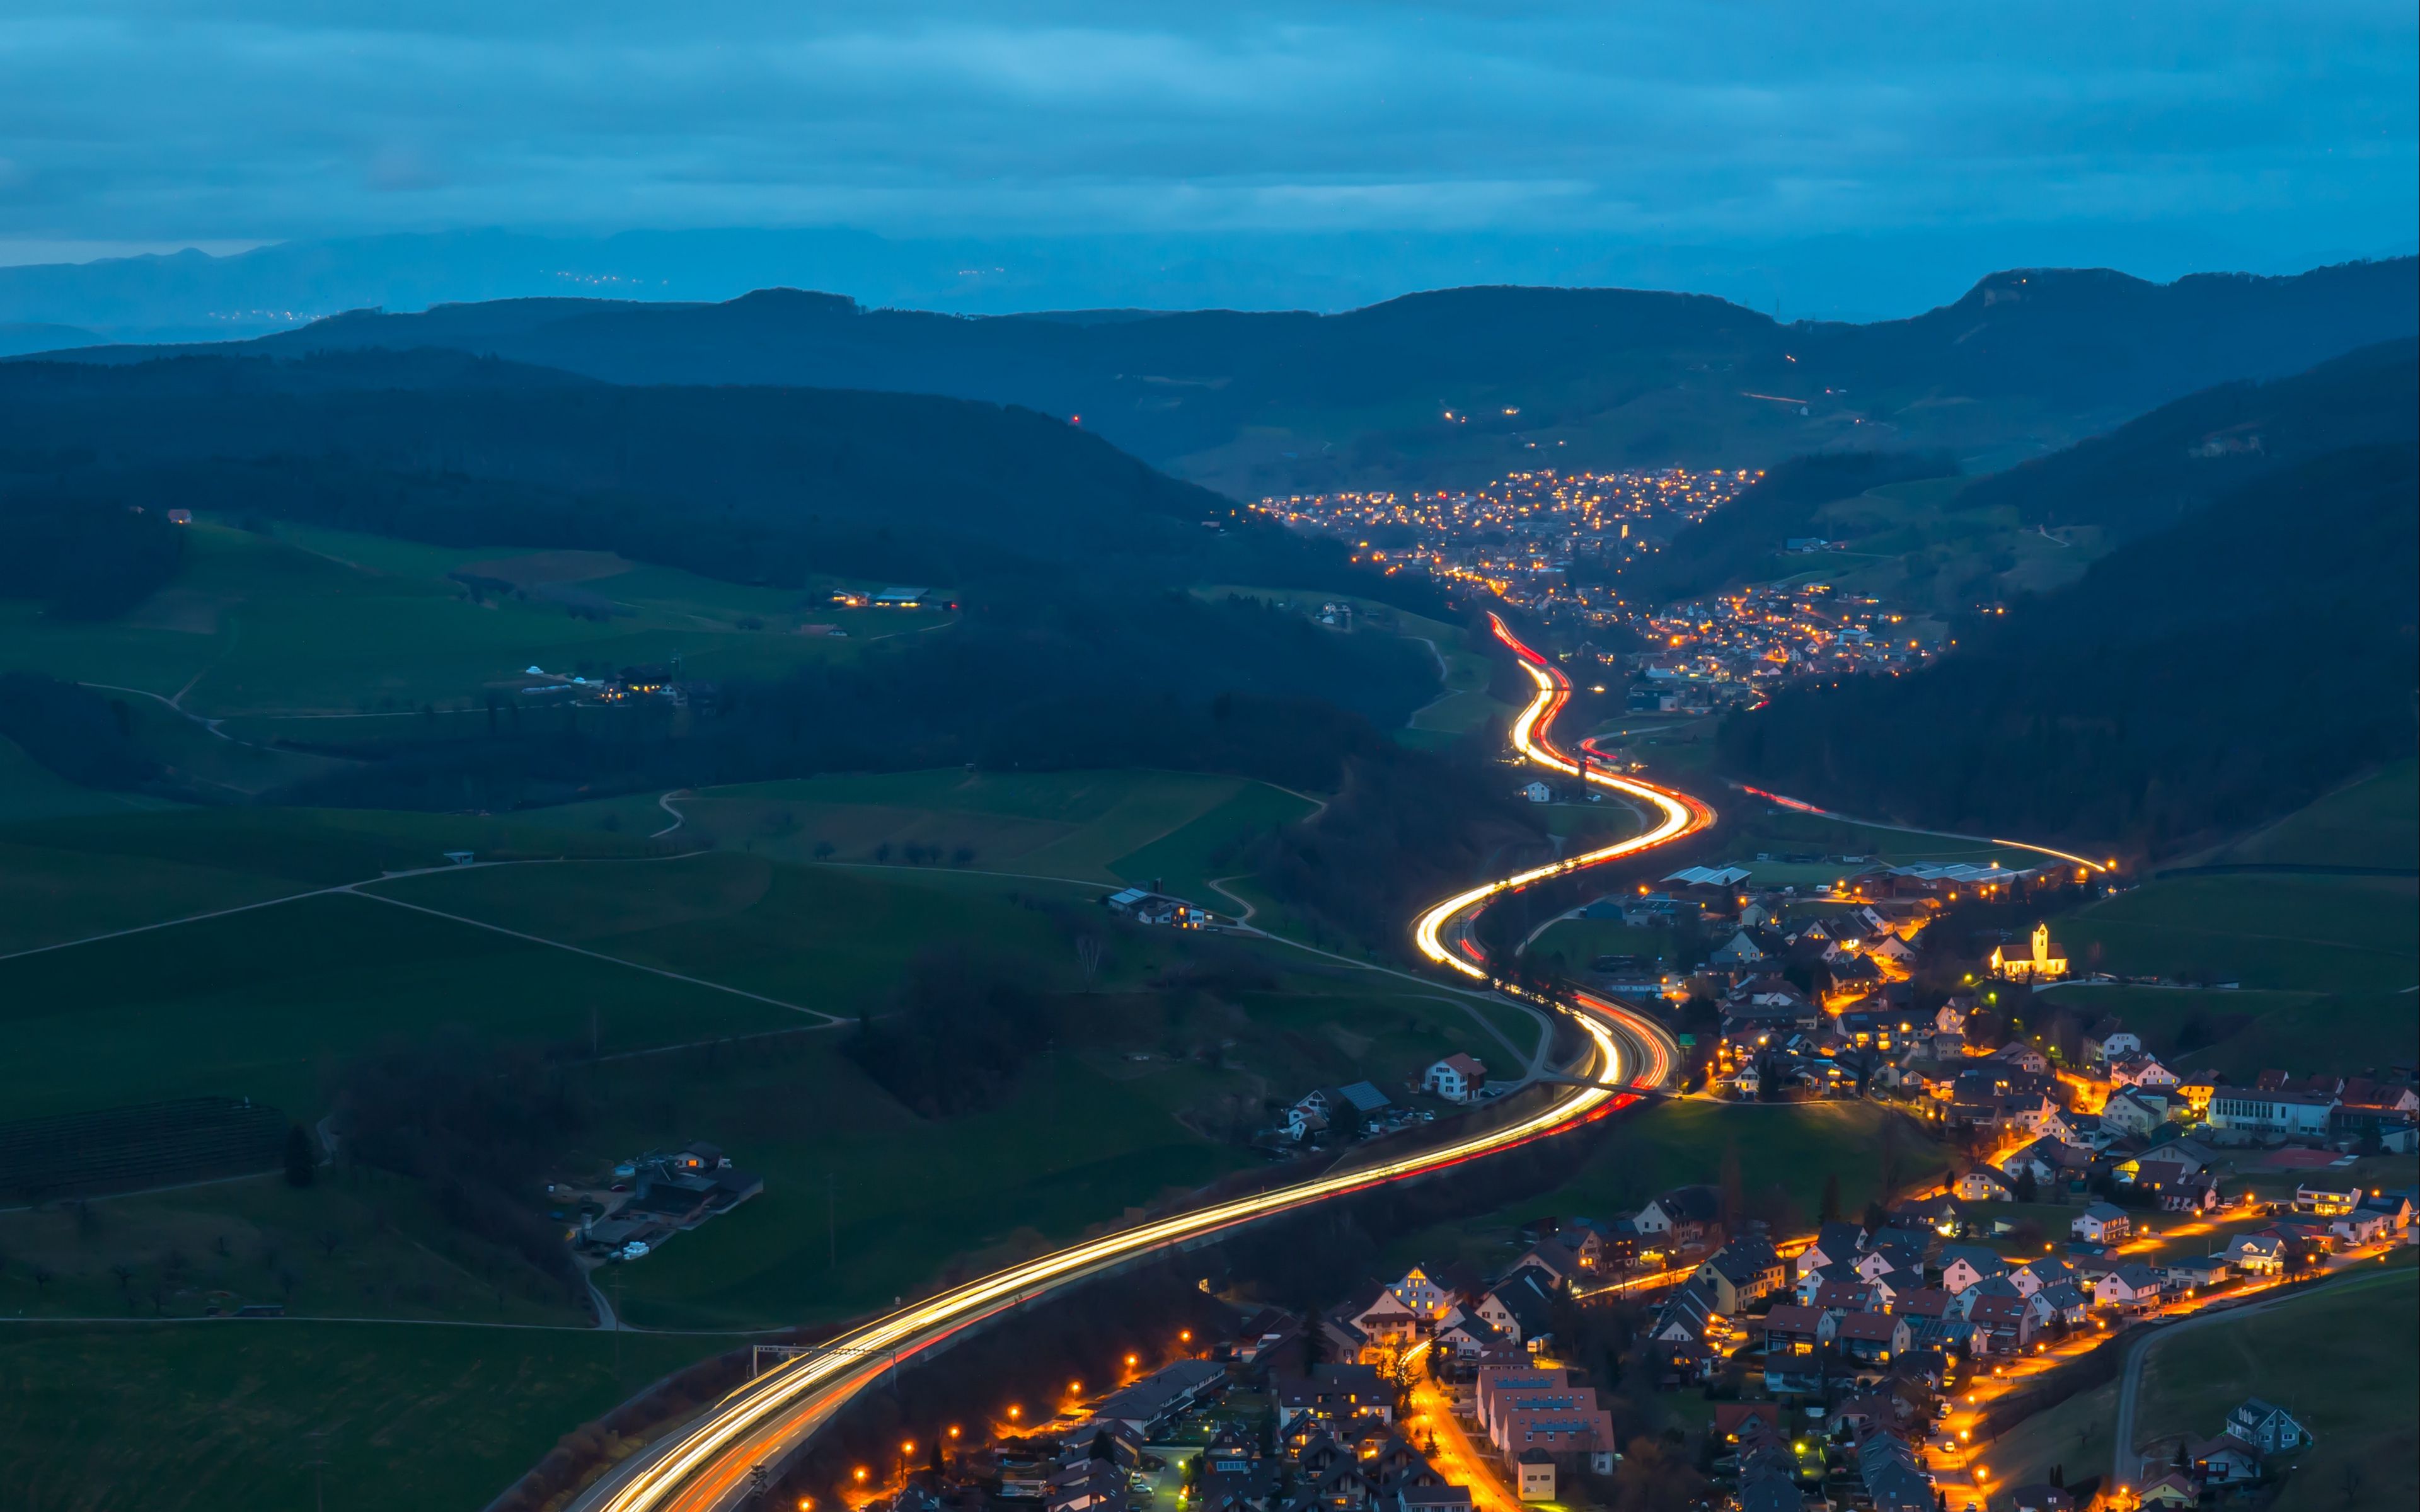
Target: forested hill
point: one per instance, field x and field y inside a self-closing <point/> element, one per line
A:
<point x="2159" y="469"/>
<point x="1434" y="387"/>
<point x="2199" y="679"/>
<point x="746" y="484"/>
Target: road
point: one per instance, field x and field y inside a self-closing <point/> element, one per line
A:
<point x="1801" y="805"/>
<point x="705" y="1465"/>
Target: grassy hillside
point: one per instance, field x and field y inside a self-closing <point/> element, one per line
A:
<point x="2339" y="1358"/>
<point x="312" y="634"/>
<point x="228" y="1417"/>
<point x="2296" y="933"/>
<point x="2373" y="822"/>
<point x="1111" y="827"/>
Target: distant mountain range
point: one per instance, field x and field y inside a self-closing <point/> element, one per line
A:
<point x="1460" y="384"/>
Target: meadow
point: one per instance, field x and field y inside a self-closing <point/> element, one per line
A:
<point x="231" y="1416"/>
<point x="2339" y="1357"/>
<point x="1111" y="827"/>
<point x="2374" y="821"/>
<point x="307" y="628"/>
<point x="2293" y="934"/>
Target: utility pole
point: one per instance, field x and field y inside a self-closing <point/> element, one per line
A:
<point x="831" y="1210"/>
<point x="318" y="1467"/>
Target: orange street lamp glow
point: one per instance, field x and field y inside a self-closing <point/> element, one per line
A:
<point x="1185" y="1337"/>
<point x="1130" y="1362"/>
<point x="953" y="1430"/>
<point x="1015" y="1411"/>
<point x="861" y="1472"/>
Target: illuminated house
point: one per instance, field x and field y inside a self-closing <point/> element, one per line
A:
<point x="2040" y="967"/>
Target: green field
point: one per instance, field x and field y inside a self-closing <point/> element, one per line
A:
<point x="2244" y="1033"/>
<point x="2079" y="1435"/>
<point x="2340" y="1358"/>
<point x="1112" y="827"/>
<point x="319" y="622"/>
<point x="2294" y="934"/>
<point x="358" y="1241"/>
<point x="1089" y="1133"/>
<point x="2374" y="821"/>
<point x="1580" y="940"/>
<point x="1149" y="1096"/>
<point x="228" y="1417"/>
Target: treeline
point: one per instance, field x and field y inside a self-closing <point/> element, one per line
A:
<point x="479" y="1125"/>
<point x="85" y="558"/>
<point x="73" y="731"/>
<point x="2194" y="683"/>
<point x="958" y="1031"/>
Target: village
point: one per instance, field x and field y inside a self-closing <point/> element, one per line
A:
<point x="2079" y="1192"/>
<point x="1617" y="1361"/>
<point x="1554" y="540"/>
<point x="1730" y="649"/>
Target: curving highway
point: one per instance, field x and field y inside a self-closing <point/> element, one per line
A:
<point x="706" y="1465"/>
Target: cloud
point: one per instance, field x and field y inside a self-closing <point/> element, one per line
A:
<point x="1705" y="120"/>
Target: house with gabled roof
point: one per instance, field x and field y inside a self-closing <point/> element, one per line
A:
<point x="2129" y="1286"/>
<point x="1964" y="1265"/>
<point x="1874" y="1338"/>
<point x="2266" y="1426"/>
<point x="2104" y="1223"/>
<point x="1742" y="1271"/>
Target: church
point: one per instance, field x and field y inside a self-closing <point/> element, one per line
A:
<point x="2043" y="966"/>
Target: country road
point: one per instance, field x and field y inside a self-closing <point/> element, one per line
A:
<point x="707" y="1464"/>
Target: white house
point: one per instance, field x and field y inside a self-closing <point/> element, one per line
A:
<point x="2129" y="1286"/>
<point x="1422" y="1292"/>
<point x="2102" y="1223"/>
<point x="2141" y="1071"/>
<point x="2261" y="1254"/>
<point x="1538" y="792"/>
<point x="1983" y="1184"/>
<point x="1738" y="951"/>
<point x="1965" y="1265"/>
<point x="2266" y="1426"/>
<point x="2240" y="1114"/>
<point x="1457" y="1078"/>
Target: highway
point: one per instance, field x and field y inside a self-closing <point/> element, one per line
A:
<point x="706" y="1465"/>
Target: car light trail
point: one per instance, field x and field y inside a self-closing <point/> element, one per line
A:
<point x="1678" y="814"/>
<point x="1801" y="805"/>
<point x="707" y="1464"/>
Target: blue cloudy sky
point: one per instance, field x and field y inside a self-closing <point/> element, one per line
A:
<point x="1929" y="140"/>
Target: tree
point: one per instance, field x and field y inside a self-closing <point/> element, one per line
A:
<point x="1732" y="1206"/>
<point x="301" y="1165"/>
<point x="1830" y="1211"/>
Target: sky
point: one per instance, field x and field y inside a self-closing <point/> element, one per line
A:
<point x="1841" y="153"/>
